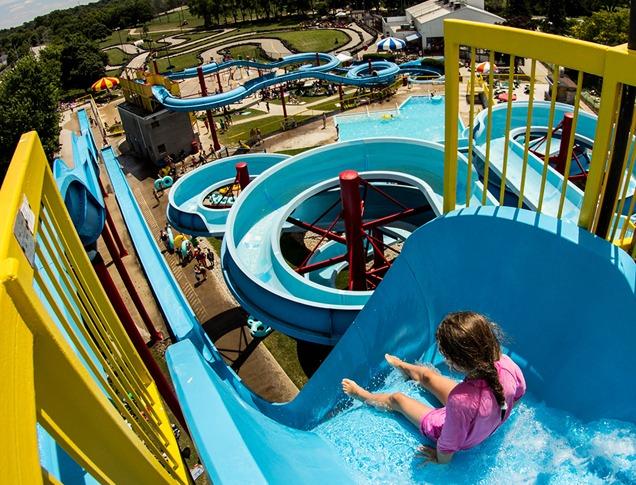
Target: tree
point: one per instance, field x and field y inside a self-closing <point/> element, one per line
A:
<point x="608" y="28"/>
<point x="517" y="14"/>
<point x="82" y="62"/>
<point x="29" y="97"/>
<point x="206" y="9"/>
<point x="555" y="16"/>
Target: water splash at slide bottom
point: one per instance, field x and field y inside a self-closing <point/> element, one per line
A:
<point x="537" y="444"/>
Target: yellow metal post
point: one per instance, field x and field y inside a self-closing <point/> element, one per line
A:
<point x="451" y="61"/>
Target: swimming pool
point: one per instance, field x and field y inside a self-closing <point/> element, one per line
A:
<point x="420" y="117"/>
<point x="537" y="444"/>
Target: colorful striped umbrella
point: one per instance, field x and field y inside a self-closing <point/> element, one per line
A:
<point x="105" y="83"/>
<point x="390" y="44"/>
<point x="484" y="67"/>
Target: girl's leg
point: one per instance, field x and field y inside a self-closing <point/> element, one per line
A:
<point x="438" y="384"/>
<point x="410" y="408"/>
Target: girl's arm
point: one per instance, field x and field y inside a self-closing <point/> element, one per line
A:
<point x="434" y="455"/>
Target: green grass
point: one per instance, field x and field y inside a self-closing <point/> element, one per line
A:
<point x="117" y="57"/>
<point x="114" y="72"/>
<point x="302" y="99"/>
<point x="331" y="105"/>
<point x="178" y="62"/>
<point x="215" y="242"/>
<point x="295" y="151"/>
<point x="251" y="51"/>
<point x="322" y="40"/>
<point x="252" y="112"/>
<point x="267" y="126"/>
<point x="283" y="349"/>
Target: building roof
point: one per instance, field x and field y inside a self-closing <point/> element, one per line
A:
<point x="433" y="9"/>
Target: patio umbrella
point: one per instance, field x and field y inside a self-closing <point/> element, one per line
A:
<point x="484" y="67"/>
<point x="390" y="44"/>
<point x="105" y="83"/>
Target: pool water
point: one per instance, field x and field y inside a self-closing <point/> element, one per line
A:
<point x="537" y="444"/>
<point x="419" y="117"/>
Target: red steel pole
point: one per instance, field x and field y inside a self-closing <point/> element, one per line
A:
<point x="282" y="100"/>
<point x="352" y="212"/>
<point x="242" y="174"/>
<point x="378" y="256"/>
<point x="317" y="59"/>
<point x="165" y="389"/>
<point x="208" y="113"/>
<point x="111" y="225"/>
<point x="218" y="80"/>
<point x="566" y="135"/>
<point x="155" y="335"/>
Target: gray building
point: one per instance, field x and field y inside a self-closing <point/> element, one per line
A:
<point x="152" y="136"/>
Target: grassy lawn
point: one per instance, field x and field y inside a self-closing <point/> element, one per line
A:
<point x="283" y="348"/>
<point x="330" y="105"/>
<point x="251" y="112"/>
<point x="267" y="126"/>
<point x="178" y="62"/>
<point x="322" y="40"/>
<point x="114" y="72"/>
<point x="251" y="51"/>
<point x="116" y="57"/>
<point x="301" y="99"/>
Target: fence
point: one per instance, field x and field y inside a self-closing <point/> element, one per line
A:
<point x="67" y="363"/>
<point x="501" y="139"/>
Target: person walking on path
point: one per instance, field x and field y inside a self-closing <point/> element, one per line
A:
<point x="324" y="121"/>
<point x="210" y="257"/>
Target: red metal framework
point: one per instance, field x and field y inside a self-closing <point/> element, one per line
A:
<point x="560" y="160"/>
<point x="367" y="254"/>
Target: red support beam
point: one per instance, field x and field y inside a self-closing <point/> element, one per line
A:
<point x="332" y="236"/>
<point x="242" y="174"/>
<point x="218" y="80"/>
<point x="208" y="113"/>
<point x="566" y="136"/>
<point x="155" y="335"/>
<point x="370" y="67"/>
<point x="110" y="224"/>
<point x="321" y="264"/>
<point x="382" y="221"/>
<point x="352" y="213"/>
<point x="164" y="387"/>
<point x="378" y="253"/>
<point x="282" y="100"/>
<point x="317" y="59"/>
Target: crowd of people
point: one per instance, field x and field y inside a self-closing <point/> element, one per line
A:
<point x="203" y="258"/>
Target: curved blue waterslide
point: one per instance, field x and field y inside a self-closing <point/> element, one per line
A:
<point x="383" y="73"/>
<point x="585" y="131"/>
<point x="186" y="211"/>
<point x="243" y="439"/>
<point x="79" y="186"/>
<point x="437" y="272"/>
<point x="253" y="264"/>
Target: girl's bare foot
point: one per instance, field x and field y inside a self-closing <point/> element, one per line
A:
<point x="351" y="388"/>
<point x="398" y="364"/>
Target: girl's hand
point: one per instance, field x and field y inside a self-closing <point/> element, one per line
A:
<point x="428" y="454"/>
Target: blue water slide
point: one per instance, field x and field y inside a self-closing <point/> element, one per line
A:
<point x="242" y="438"/>
<point x="383" y="72"/>
<point x="530" y="285"/>
<point x="253" y="264"/>
<point x="79" y="186"/>
<point x="307" y="59"/>
<point x="186" y="211"/>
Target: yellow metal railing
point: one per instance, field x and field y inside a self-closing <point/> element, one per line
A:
<point x="615" y="65"/>
<point x="66" y="361"/>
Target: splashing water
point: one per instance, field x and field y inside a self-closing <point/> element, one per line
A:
<point x="537" y="444"/>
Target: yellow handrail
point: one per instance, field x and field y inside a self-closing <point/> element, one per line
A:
<point x="68" y="364"/>
<point x="615" y="65"/>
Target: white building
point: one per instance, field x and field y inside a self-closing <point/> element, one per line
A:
<point x="425" y="21"/>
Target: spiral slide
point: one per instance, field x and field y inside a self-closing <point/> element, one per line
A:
<point x="585" y="131"/>
<point x="255" y="268"/>
<point x="383" y="73"/>
<point x="186" y="209"/>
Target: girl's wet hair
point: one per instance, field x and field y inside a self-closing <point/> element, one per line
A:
<point x="472" y="343"/>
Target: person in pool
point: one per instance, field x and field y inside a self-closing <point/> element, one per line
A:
<point x="474" y="408"/>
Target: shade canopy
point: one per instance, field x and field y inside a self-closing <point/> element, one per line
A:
<point x="105" y="83"/>
<point x="390" y="44"/>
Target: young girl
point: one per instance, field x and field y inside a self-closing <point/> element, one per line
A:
<point x="474" y="408"/>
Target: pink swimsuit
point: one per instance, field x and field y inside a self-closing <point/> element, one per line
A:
<point x="472" y="414"/>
